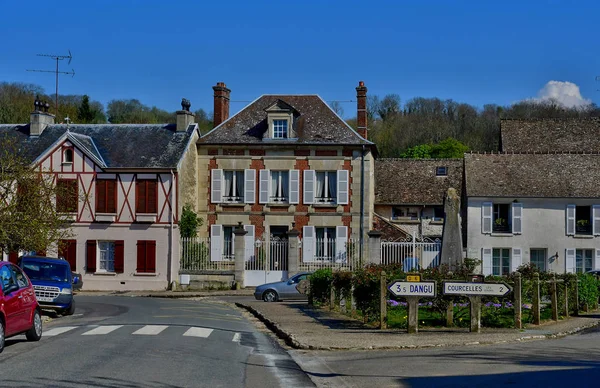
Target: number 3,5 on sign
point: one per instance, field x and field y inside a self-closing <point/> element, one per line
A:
<point x="402" y="288"/>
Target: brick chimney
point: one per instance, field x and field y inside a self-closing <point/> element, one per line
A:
<point x="39" y="119"/>
<point x="361" y="109"/>
<point x="184" y="116"/>
<point x="221" y="109"/>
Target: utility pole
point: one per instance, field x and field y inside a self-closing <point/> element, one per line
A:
<point x="56" y="58"/>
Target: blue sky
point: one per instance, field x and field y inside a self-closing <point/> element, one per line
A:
<point x="158" y="52"/>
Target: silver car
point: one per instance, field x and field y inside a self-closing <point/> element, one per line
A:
<point x="285" y="289"/>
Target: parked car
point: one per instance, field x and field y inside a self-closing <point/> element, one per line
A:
<point x="77" y="281"/>
<point x="19" y="310"/>
<point x="285" y="289"/>
<point x="52" y="281"/>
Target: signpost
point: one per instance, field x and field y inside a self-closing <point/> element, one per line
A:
<point x="412" y="291"/>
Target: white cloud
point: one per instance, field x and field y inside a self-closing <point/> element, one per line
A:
<point x="564" y="92"/>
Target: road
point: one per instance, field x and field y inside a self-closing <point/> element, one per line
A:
<point x="116" y="341"/>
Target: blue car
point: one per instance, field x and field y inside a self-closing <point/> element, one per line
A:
<point x="285" y="289"/>
<point x="52" y="281"/>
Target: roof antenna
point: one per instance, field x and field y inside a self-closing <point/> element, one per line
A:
<point x="56" y="72"/>
<point x="68" y="121"/>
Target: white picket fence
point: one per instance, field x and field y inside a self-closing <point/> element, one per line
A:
<point x="412" y="254"/>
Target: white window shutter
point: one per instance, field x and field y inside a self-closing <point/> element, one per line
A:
<point x="308" y="244"/>
<point x="249" y="186"/>
<point x="596" y="220"/>
<point x="570" y="220"/>
<point x="309" y="187"/>
<point x="486" y="217"/>
<point x="570" y="260"/>
<point x="263" y="196"/>
<point x="216" y="186"/>
<point x="249" y="242"/>
<point x="486" y="257"/>
<point x="516" y="259"/>
<point x="343" y="178"/>
<point x="294" y="186"/>
<point x="517" y="218"/>
<point x="216" y="242"/>
<point x="341" y="239"/>
<point x="597" y="261"/>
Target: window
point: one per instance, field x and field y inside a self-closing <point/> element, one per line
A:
<point x="584" y="260"/>
<point x="146" y="198"/>
<point x="228" y="243"/>
<point x="441" y="171"/>
<point x="405" y="212"/>
<point x="583" y="224"/>
<point x="501" y="218"/>
<point x="234" y="186"/>
<point x="279" y="186"/>
<point x="326" y="190"/>
<point x="325" y="243"/>
<point x="66" y="196"/>
<point x="500" y="261"/>
<point x="146" y="256"/>
<point x="68" y="155"/>
<point x="22" y="281"/>
<point x="106" y="259"/>
<point x="280" y="129"/>
<point x="7" y="278"/>
<point x="106" y="196"/>
<point x="438" y="213"/>
<point x="538" y="258"/>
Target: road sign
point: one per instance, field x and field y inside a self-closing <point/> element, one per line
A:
<point x="464" y="288"/>
<point x="413" y="278"/>
<point x="401" y="288"/>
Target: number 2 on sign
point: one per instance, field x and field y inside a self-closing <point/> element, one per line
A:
<point x="501" y="289"/>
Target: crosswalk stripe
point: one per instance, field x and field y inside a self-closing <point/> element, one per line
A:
<point x="102" y="330"/>
<point x="150" y="330"/>
<point x="58" y="330"/>
<point x="198" y="332"/>
<point x="236" y="337"/>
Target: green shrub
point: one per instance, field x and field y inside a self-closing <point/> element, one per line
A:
<point x="320" y="285"/>
<point x="588" y="289"/>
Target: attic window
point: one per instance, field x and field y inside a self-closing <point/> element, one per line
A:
<point x="441" y="171"/>
<point x="280" y="129"/>
<point x="68" y="155"/>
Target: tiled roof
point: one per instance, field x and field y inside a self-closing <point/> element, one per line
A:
<point x="314" y="123"/>
<point x="414" y="181"/>
<point x="533" y="175"/>
<point x="551" y="135"/>
<point x="118" y="145"/>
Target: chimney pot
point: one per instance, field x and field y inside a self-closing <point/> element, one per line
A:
<point x="39" y="119"/>
<point x="184" y="116"/>
<point x="221" y="103"/>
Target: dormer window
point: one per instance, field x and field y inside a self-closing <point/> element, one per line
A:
<point x="441" y="171"/>
<point x="280" y="118"/>
<point x="68" y="155"/>
<point x="280" y="129"/>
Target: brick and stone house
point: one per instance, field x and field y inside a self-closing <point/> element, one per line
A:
<point x="409" y="193"/>
<point x="539" y="200"/>
<point x="283" y="163"/>
<point x="132" y="182"/>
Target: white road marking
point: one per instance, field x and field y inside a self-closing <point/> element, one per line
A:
<point x="57" y="331"/>
<point x="237" y="337"/>
<point x="102" y="330"/>
<point x="150" y="330"/>
<point x="198" y="332"/>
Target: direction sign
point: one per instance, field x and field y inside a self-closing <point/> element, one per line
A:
<point x="401" y="288"/>
<point x="464" y="288"/>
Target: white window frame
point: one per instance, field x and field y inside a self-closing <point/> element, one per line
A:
<point x="99" y="250"/>
<point x="327" y="177"/>
<point x="277" y="125"/>
<point x="545" y="257"/>
<point x="327" y="244"/>
<point x="231" y="256"/>
<point x="441" y="171"/>
<point x="233" y="175"/>
<point x="274" y="199"/>
<point x="501" y="256"/>
<point x="592" y="253"/>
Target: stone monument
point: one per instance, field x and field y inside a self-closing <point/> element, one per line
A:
<point x="452" y="246"/>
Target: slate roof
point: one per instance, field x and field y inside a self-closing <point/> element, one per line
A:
<point x="118" y="145"/>
<point x="551" y="135"/>
<point x="414" y="181"/>
<point x="314" y="123"/>
<point x="533" y="175"/>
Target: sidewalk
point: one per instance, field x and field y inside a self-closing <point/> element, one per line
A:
<point x="304" y="327"/>
<point x="171" y="294"/>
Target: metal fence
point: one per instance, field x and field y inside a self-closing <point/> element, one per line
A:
<point x="270" y="254"/>
<point x="327" y="254"/>
<point x="195" y="256"/>
<point x="412" y="254"/>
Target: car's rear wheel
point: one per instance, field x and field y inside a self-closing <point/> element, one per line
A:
<point x="270" y="296"/>
<point x="35" y="333"/>
<point x="1" y="335"/>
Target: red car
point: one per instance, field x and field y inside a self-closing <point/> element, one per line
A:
<point x="19" y="309"/>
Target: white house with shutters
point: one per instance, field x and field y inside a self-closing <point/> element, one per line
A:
<point x="541" y="208"/>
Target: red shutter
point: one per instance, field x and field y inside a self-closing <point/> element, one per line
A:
<point x="111" y="196"/>
<point x="152" y="197"/>
<point x="68" y="250"/>
<point x="151" y="256"/>
<point x="101" y="196"/>
<point x="91" y="256"/>
<point x="13" y="256"/>
<point x="119" y="256"/>
<point x="141" y="256"/>
<point x="140" y="196"/>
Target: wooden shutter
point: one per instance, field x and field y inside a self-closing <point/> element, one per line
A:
<point x="13" y="257"/>
<point x="308" y="244"/>
<point x="119" y="256"/>
<point x="264" y="178"/>
<point x="140" y="196"/>
<point x="101" y="196"/>
<point x="216" y="243"/>
<point x="486" y="217"/>
<point x="68" y="250"/>
<point x="342" y="187"/>
<point x="570" y="213"/>
<point x="151" y="256"/>
<point x="517" y="218"/>
<point x="152" y="204"/>
<point x="249" y="242"/>
<point x="90" y="264"/>
<point x="249" y="186"/>
<point x="516" y="259"/>
<point x="570" y="260"/>
<point x="487" y="261"/>
<point x="111" y="196"/>
<point x="294" y="186"/>
<point x="597" y="261"/>
<point x="141" y="256"/>
<point x="216" y="186"/>
<point x="596" y="220"/>
<point x="341" y="239"/>
<point x="309" y="187"/>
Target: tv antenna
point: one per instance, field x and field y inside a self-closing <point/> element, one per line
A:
<point x="598" y="79"/>
<point x="57" y="58"/>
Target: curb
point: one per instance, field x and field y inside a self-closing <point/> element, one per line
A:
<point x="291" y="341"/>
<point x="168" y="296"/>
